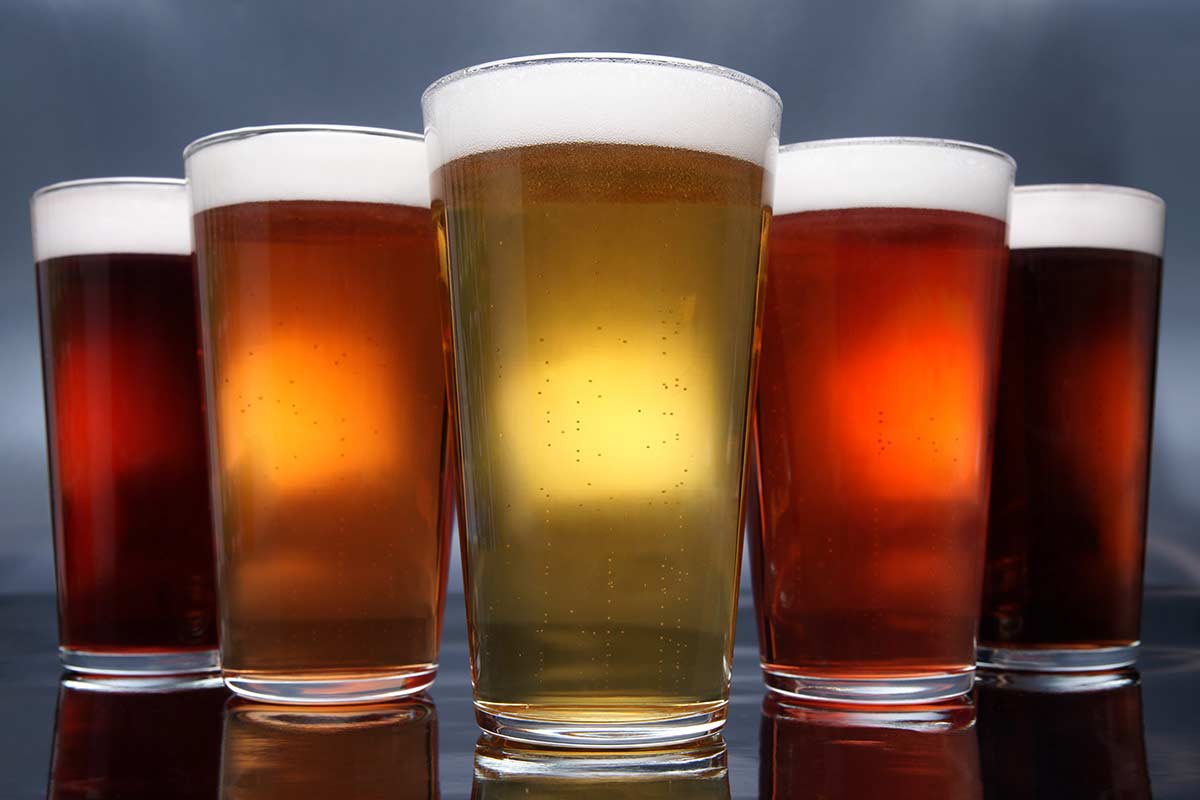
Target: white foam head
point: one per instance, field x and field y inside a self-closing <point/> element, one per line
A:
<point x="307" y="162"/>
<point x="111" y="215"/>
<point x="893" y="173"/>
<point x="1087" y="215"/>
<point x="604" y="98"/>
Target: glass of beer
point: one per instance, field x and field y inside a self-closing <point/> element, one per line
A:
<point x="874" y="414"/>
<point x="857" y="753"/>
<point x="129" y="485"/>
<point x="325" y="383"/>
<point x="134" y="737"/>
<point x="1067" y="525"/>
<point x="602" y="220"/>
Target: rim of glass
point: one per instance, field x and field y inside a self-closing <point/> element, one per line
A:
<point x="252" y="131"/>
<point x="601" y="58"/>
<point x="914" y="141"/>
<point x="1088" y="188"/>
<point x="117" y="181"/>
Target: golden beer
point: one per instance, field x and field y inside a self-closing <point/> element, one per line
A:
<point x="603" y="299"/>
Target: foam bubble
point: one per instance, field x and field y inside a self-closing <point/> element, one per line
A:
<point x="604" y="98"/>
<point x="893" y="173"/>
<point x="1087" y="215"/>
<point x="250" y="165"/>
<point x="111" y="215"/>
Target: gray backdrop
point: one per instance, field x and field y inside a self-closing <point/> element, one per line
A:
<point x="1104" y="91"/>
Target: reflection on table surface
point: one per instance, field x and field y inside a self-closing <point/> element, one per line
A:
<point x="826" y="751"/>
<point x="1022" y="735"/>
<point x="1062" y="735"/>
<point x="368" y="752"/>
<point x="137" y="737"/>
<point x="1025" y="735"/>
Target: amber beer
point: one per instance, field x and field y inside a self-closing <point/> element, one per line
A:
<point x="129" y="483"/>
<point x="325" y="380"/>
<point x="1067" y="530"/>
<point x="145" y="737"/>
<point x="1044" y="735"/>
<point x="811" y="752"/>
<point x="602" y="236"/>
<point x="874" y="412"/>
<point x="386" y="751"/>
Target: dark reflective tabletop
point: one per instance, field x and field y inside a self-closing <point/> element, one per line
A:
<point x="1134" y="734"/>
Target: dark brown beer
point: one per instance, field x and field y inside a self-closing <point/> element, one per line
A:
<point x="128" y="742"/>
<point x="1067" y="525"/>
<point x="822" y="752"/>
<point x="382" y="752"/>
<point x="1062" y="736"/>
<point x="328" y="398"/>
<point x="874" y="410"/>
<point x="129" y="475"/>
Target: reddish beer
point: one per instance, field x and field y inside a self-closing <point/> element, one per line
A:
<point x="125" y="424"/>
<point x="916" y="752"/>
<point x="1067" y="530"/>
<point x="137" y="738"/>
<point x="881" y="317"/>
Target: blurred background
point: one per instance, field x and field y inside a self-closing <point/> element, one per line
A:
<point x="1099" y="91"/>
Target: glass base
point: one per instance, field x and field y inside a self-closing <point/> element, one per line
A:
<point x="173" y="662"/>
<point x="1058" y="682"/>
<point x="501" y="759"/>
<point x="335" y="691"/>
<point x="578" y="729"/>
<point x="141" y="684"/>
<point x="1053" y="659"/>
<point x="873" y="691"/>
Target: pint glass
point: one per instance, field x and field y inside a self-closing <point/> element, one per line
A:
<point x="1067" y="527"/>
<point x="326" y="395"/>
<point x="874" y="414"/>
<point x="602" y="221"/>
<point x="129" y="486"/>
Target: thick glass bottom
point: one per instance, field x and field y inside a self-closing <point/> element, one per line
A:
<point x="1057" y="659"/>
<point x="165" y="662"/>
<point x="554" y="767"/>
<point x="300" y="690"/>
<point x="592" y="728"/>
<point x="899" y="690"/>
<point x="141" y="684"/>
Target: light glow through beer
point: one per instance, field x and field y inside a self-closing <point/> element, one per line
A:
<point x="629" y="428"/>
<point x="301" y="414"/>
